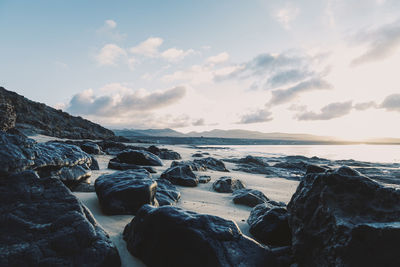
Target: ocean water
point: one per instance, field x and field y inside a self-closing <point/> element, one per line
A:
<point x="370" y="153"/>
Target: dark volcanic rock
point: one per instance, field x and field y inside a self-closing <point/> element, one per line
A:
<point x="95" y="165"/>
<point x="164" y="153"/>
<point x="91" y="148"/>
<point x="340" y="218"/>
<point x="36" y="117"/>
<point x="43" y="224"/>
<point x="139" y="158"/>
<point x="181" y="175"/>
<point x="227" y="184"/>
<point x="116" y="164"/>
<point x="185" y="238"/>
<point x="212" y="164"/>
<point x="197" y="155"/>
<point x="7" y="116"/>
<point x="167" y="193"/>
<point x="195" y="166"/>
<point x="315" y="169"/>
<point x="249" y="197"/>
<point x="269" y="224"/>
<point x="125" y="192"/>
<point x="67" y="162"/>
<point x="203" y="179"/>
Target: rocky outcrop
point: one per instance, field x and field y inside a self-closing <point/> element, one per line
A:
<point x="43" y="224"/>
<point x="167" y="193"/>
<point x="195" y="166"/>
<point x="185" y="238"/>
<point x="116" y="164"/>
<point x="227" y="184"/>
<point x="341" y="218"/>
<point x="212" y="164"/>
<point x="181" y="175"/>
<point x="269" y="224"/>
<point x="52" y="159"/>
<point x="8" y="116"/>
<point x="139" y="157"/>
<point x="33" y="117"/>
<point x="125" y="192"/>
<point x="249" y="197"/>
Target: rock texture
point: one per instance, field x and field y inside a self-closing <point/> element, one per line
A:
<point x="181" y="175"/>
<point x="125" y="192"/>
<point x="43" y="224"/>
<point x="212" y="164"/>
<point x="8" y="116"/>
<point x="139" y="157"/>
<point x="116" y="164"/>
<point x="184" y="238"/>
<point x="227" y="184"/>
<point x="52" y="159"/>
<point x="269" y="224"/>
<point x="249" y="197"/>
<point x="195" y="166"/>
<point x="164" y="153"/>
<point x="167" y="193"/>
<point x="341" y="218"/>
<point x="33" y="117"/>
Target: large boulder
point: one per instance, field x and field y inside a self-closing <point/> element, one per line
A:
<point x="170" y="236"/>
<point x="64" y="161"/>
<point x="139" y="157"/>
<point x="125" y="192"/>
<point x="249" y="197"/>
<point x="167" y="193"/>
<point x="269" y="224"/>
<point x="212" y="164"/>
<point x="227" y="184"/>
<point x="181" y="175"/>
<point x="91" y="148"/>
<point x="193" y="165"/>
<point x="43" y="224"/>
<point x="341" y="218"/>
<point x="116" y="164"/>
<point x="164" y="153"/>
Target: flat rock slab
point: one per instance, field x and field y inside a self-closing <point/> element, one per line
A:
<point x="139" y="157"/>
<point x="43" y="224"/>
<point x="124" y="192"/>
<point x="181" y="175"/>
<point x="227" y="184"/>
<point x="342" y="218"/>
<point x="170" y="236"/>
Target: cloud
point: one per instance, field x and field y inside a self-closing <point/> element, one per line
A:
<point x="148" y="48"/>
<point x="261" y="115"/>
<point x="381" y="43"/>
<point x="122" y="101"/>
<point x="196" y="74"/>
<point x="289" y="76"/>
<point x="331" y="111"/>
<point x="391" y="103"/>
<point x="174" y="54"/>
<point x="110" y="54"/>
<point x="109" y="30"/>
<point x="220" y="58"/>
<point x="286" y="15"/>
<point x="282" y="96"/>
<point x="199" y="122"/>
<point x="365" y="105"/>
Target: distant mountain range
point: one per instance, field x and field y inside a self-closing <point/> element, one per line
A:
<point x="216" y="133"/>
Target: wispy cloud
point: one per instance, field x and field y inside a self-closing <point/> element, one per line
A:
<point x="330" y="111"/>
<point x="148" y="48"/>
<point x="217" y="59"/>
<point x="109" y="30"/>
<point x="174" y="54"/>
<point x="110" y="54"/>
<point x="391" y="103"/>
<point x="286" y="15"/>
<point x="259" y="116"/>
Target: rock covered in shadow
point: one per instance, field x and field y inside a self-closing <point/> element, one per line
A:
<point x="249" y="197"/>
<point x="227" y="184"/>
<point x="269" y="224"/>
<point x="341" y="218"/>
<point x="197" y="155"/>
<point x="185" y="238"/>
<point x="167" y="193"/>
<point x="91" y="148"/>
<point x="203" y="179"/>
<point x="181" y="175"/>
<point x="124" y="192"/>
<point x="116" y="164"/>
<point x="95" y="164"/>
<point x="195" y="166"/>
<point x="164" y="153"/>
<point x="43" y="224"/>
<point x="139" y="157"/>
<point x="212" y="164"/>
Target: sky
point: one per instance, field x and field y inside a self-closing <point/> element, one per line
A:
<point x="308" y="66"/>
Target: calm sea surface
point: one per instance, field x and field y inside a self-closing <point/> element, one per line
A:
<point x="371" y="153"/>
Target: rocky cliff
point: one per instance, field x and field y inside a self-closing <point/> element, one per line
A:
<point x="34" y="117"/>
